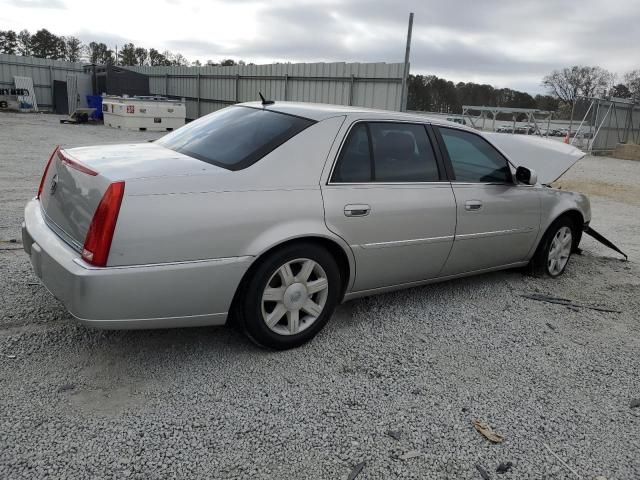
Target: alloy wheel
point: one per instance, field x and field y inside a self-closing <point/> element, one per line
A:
<point x="559" y="251"/>
<point x="295" y="296"/>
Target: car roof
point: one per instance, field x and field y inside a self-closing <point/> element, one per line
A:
<point x="322" y="111"/>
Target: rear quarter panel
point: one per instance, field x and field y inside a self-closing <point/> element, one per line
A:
<point x="196" y="217"/>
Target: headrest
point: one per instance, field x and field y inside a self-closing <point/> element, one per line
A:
<point x="399" y="144"/>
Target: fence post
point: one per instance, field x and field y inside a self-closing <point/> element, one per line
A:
<point x="53" y="101"/>
<point x="237" y="82"/>
<point x="166" y="84"/>
<point x="351" y="82"/>
<point x="286" y="83"/>
<point x="198" y="93"/>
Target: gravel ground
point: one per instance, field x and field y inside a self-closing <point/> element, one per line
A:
<point x="424" y="363"/>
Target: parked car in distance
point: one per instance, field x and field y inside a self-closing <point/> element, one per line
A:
<point x="269" y="215"/>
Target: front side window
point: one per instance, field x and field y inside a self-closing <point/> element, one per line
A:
<point x="473" y="159"/>
<point x="386" y="152"/>
<point x="235" y="137"/>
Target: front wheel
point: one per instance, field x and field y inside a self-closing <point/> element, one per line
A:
<point x="290" y="296"/>
<point x="555" y="249"/>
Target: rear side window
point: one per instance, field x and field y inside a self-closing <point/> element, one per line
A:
<point x="386" y="152"/>
<point x="473" y="159"/>
<point x="235" y="137"/>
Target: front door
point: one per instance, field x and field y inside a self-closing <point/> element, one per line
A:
<point x="497" y="219"/>
<point x="387" y="197"/>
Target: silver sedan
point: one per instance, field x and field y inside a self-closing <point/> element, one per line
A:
<point x="269" y="215"/>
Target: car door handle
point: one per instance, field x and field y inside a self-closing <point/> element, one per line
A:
<point x="356" y="210"/>
<point x="473" y="205"/>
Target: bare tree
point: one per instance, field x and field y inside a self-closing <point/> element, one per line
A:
<point x="571" y="82"/>
<point x="632" y="81"/>
<point x="74" y="49"/>
<point x="24" y="43"/>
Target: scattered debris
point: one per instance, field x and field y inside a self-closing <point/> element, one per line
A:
<point x="66" y="387"/>
<point x="563" y="301"/>
<point x="9" y="249"/>
<point x="410" y="454"/>
<point x="635" y="403"/>
<point x="483" y="473"/>
<point x="356" y="470"/>
<point x="12" y="357"/>
<point x="395" y="434"/>
<point x="561" y="461"/>
<point x="487" y="432"/>
<point x="551" y="327"/>
<point x="504" y="467"/>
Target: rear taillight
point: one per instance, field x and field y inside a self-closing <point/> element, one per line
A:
<point x="98" y="242"/>
<point x="70" y="162"/>
<point x="46" y="169"/>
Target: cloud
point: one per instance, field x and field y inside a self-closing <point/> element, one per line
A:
<point x="38" y="4"/>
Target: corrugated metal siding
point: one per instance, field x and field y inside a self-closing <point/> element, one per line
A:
<point x="375" y="85"/>
<point x="41" y="70"/>
<point x="618" y="123"/>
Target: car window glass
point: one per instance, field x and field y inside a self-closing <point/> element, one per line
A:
<point x="234" y="137"/>
<point x="354" y="164"/>
<point x="402" y="153"/>
<point x="473" y="158"/>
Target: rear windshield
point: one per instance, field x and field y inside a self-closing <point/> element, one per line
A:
<point x="235" y="137"/>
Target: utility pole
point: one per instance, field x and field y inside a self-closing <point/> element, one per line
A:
<point x="405" y="74"/>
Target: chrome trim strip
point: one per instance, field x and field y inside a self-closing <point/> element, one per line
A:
<point x="497" y="233"/>
<point x="382" y="184"/>
<point x="64" y="236"/>
<point x="225" y="260"/>
<point x="403" y="243"/>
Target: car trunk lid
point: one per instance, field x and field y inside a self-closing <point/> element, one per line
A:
<point x="77" y="179"/>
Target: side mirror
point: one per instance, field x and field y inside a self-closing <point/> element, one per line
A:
<point x="526" y="175"/>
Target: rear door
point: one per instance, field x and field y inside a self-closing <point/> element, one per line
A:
<point x="497" y="219"/>
<point x="388" y="198"/>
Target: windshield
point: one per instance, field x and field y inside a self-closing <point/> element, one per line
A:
<point x="235" y="137"/>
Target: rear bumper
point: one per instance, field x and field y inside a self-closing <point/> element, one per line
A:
<point x="180" y="294"/>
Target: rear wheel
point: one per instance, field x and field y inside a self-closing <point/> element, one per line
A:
<point x="555" y="249"/>
<point x="290" y="296"/>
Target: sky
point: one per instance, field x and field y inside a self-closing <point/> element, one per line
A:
<point x="501" y="42"/>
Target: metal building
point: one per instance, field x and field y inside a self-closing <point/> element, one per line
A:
<point x="206" y="89"/>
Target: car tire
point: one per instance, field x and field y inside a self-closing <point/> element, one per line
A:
<point x="289" y="296"/>
<point x="554" y="252"/>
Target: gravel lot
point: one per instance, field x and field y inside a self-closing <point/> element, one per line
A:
<point x="425" y="363"/>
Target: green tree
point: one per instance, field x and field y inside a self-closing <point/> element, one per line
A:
<point x="141" y="56"/>
<point x="99" y="53"/>
<point x="45" y="44"/>
<point x="8" y="42"/>
<point x="127" y="56"/>
<point x="547" y="102"/>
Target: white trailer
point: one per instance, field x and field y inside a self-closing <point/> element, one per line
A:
<point x="143" y="113"/>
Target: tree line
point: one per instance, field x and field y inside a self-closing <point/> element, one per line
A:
<point x="425" y="92"/>
<point x="433" y="94"/>
<point x="44" y="44"/>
